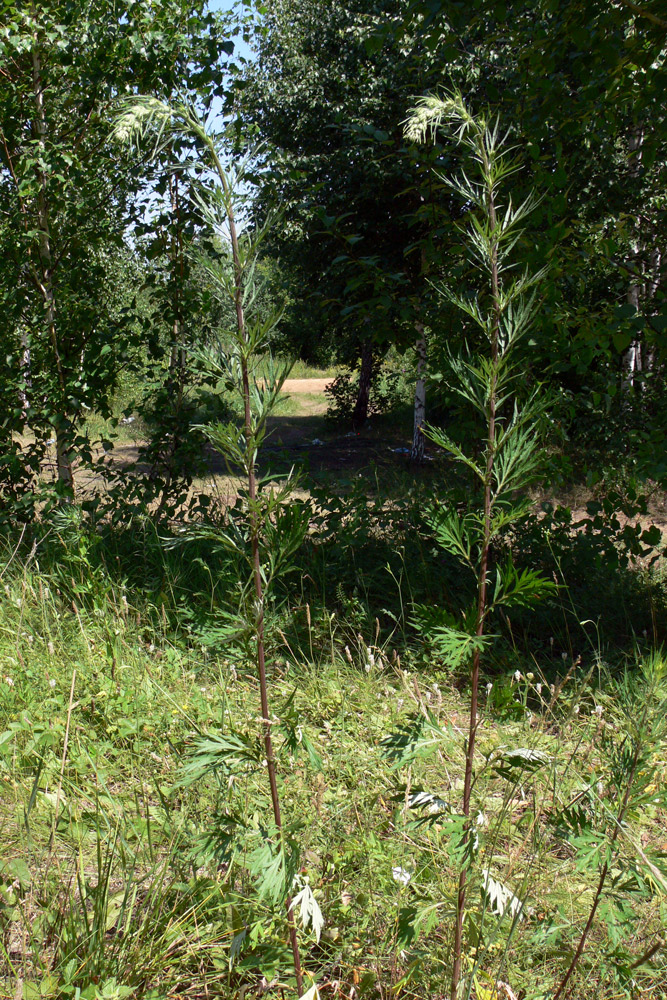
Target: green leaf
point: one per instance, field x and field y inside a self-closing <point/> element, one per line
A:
<point x="457" y="646"/>
<point x="455" y="533"/>
<point x="519" y="760"/>
<point x="520" y="587"/>
<point x="227" y="752"/>
<point x="621" y="341"/>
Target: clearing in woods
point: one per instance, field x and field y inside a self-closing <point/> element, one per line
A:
<point x="300" y="434"/>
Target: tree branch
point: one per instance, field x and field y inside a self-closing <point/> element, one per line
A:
<point x="641" y="12"/>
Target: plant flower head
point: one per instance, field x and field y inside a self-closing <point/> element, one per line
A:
<point x="137" y="115"/>
<point x="431" y="112"/>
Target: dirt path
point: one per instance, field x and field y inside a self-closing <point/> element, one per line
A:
<point x="306" y="385"/>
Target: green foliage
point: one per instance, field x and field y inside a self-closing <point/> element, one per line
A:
<point x="503" y="309"/>
<point x="390" y="388"/>
<point x="359" y="233"/>
<point x="327" y="95"/>
<point x="225" y="716"/>
<point x="263" y="531"/>
<point x="371" y="777"/>
<point x="590" y="817"/>
<point x="68" y="200"/>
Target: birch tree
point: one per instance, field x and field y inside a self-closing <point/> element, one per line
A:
<point x="67" y="197"/>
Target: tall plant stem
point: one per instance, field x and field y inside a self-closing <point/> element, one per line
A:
<point x="604" y="871"/>
<point x="255" y="555"/>
<point x="482" y="598"/>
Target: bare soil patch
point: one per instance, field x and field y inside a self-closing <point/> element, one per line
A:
<point x="306" y="385"/>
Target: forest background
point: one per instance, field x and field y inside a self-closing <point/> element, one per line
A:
<point x="445" y="597"/>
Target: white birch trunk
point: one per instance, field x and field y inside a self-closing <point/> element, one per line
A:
<point x="26" y="371"/>
<point x="63" y="457"/>
<point x="632" y="363"/>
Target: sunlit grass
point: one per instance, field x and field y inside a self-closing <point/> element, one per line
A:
<point x="128" y="889"/>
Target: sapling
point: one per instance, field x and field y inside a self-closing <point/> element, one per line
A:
<point x="264" y="530"/>
<point x="502" y="309"/>
<point x="633" y="758"/>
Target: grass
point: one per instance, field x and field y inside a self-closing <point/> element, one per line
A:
<point x="301" y="404"/>
<point x="111" y="881"/>
<point x="115" y="665"/>
<point x="135" y="433"/>
<point x="302" y="369"/>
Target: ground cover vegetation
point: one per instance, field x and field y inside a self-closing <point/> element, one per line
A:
<point x="364" y="704"/>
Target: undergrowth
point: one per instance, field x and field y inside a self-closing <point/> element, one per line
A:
<point x="111" y="884"/>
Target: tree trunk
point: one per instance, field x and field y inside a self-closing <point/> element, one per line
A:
<point x="632" y="362"/>
<point x="417" y="450"/>
<point x="26" y="373"/>
<point x="360" y="413"/>
<point x="177" y="357"/>
<point x="653" y="280"/>
<point x="177" y="369"/>
<point x="64" y="460"/>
